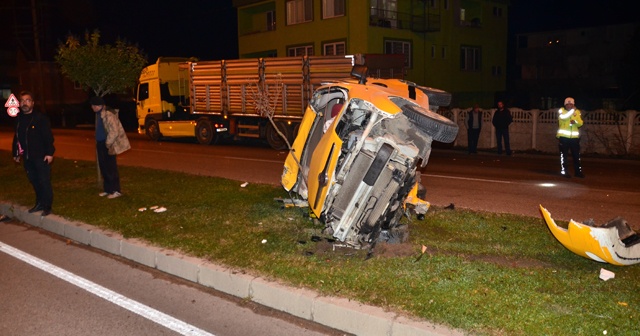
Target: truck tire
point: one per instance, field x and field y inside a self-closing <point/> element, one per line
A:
<point x="152" y="129"/>
<point x="274" y="139"/>
<point x="205" y="134"/>
<point x="437" y="97"/>
<point x="438" y="127"/>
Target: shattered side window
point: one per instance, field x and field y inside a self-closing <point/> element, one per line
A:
<point x="356" y="117"/>
<point x="324" y="99"/>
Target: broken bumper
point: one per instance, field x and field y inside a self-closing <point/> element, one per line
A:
<point x="613" y="242"/>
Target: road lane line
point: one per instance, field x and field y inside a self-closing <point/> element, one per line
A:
<point x="147" y="312"/>
<point x="467" y="178"/>
<point x="210" y="156"/>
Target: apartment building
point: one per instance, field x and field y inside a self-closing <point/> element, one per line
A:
<point x="456" y="45"/>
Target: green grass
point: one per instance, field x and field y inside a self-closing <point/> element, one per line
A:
<point x="484" y="273"/>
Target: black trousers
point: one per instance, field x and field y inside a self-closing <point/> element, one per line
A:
<point x="473" y="134"/>
<point x="39" y="174"/>
<point x="565" y="145"/>
<point x="503" y="133"/>
<point x="108" y="168"/>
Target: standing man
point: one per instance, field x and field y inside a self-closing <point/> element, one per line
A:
<point x="111" y="140"/>
<point x="474" y="125"/>
<point x="569" y="122"/>
<point x="33" y="141"/>
<point x="501" y="121"/>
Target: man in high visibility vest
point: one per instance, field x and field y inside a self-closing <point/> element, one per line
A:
<point x="569" y="123"/>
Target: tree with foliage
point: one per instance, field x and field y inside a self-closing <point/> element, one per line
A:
<point x="103" y="68"/>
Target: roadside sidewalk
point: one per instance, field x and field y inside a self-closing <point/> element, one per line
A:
<point x="338" y="313"/>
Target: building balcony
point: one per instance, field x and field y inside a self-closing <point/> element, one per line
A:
<point x="398" y="20"/>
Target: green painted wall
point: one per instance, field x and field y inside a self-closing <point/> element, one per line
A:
<point x="467" y="87"/>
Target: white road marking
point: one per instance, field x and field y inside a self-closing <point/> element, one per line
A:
<point x="147" y="312"/>
<point x="210" y="156"/>
<point x="467" y="178"/>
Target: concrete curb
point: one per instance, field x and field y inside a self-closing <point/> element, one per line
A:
<point x="338" y="313"/>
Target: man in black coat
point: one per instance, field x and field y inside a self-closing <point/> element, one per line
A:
<point x="33" y="140"/>
<point x="501" y="120"/>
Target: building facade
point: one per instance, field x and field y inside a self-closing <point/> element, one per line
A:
<point x="585" y="63"/>
<point x="456" y="45"/>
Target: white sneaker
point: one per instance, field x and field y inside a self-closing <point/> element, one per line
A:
<point x="103" y="194"/>
<point x="114" y="195"/>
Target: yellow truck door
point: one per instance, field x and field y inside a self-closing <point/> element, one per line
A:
<point x="148" y="98"/>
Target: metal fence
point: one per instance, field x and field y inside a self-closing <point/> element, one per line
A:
<point x="604" y="132"/>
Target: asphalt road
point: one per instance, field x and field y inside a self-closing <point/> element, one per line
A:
<point x="51" y="286"/>
<point x="515" y="184"/>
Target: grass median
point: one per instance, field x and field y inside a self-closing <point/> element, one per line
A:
<point x="484" y="273"/>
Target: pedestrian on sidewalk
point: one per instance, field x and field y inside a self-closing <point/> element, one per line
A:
<point x="111" y="140"/>
<point x="569" y="123"/>
<point x="474" y="126"/>
<point x="33" y="141"/>
<point x="501" y="121"/>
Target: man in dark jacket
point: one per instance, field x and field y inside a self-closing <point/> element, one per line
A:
<point x="33" y="140"/>
<point x="501" y="121"/>
<point x="474" y="126"/>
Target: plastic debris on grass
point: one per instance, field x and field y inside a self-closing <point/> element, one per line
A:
<point x="606" y="274"/>
<point x="614" y="242"/>
<point x="155" y="208"/>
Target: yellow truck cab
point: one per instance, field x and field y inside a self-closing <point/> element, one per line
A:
<point x="163" y="94"/>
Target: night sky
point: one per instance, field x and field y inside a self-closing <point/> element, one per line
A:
<point x="206" y="29"/>
<point x="543" y="15"/>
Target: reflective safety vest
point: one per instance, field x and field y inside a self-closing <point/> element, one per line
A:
<point x="568" y="123"/>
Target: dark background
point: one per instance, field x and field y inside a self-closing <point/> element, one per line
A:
<point x="207" y="29"/>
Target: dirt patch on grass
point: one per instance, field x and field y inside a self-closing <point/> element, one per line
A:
<point x="333" y="249"/>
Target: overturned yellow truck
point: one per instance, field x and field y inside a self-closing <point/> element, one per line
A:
<point x="356" y="157"/>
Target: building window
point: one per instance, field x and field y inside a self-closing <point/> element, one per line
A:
<point x="433" y="51"/>
<point x="334" y="49"/>
<point x="399" y="47"/>
<point x="383" y="13"/>
<point x="306" y="50"/>
<point x="332" y="8"/>
<point x="444" y="52"/>
<point x="432" y="3"/>
<point x="497" y="11"/>
<point x="446" y="4"/>
<point x="470" y="58"/>
<point x="496" y="71"/>
<point x="271" y="20"/>
<point x="299" y="11"/>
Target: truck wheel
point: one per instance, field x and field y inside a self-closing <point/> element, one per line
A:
<point x="152" y="129"/>
<point x="437" y="97"/>
<point x="437" y="126"/>
<point x="274" y="139"/>
<point x="205" y="134"/>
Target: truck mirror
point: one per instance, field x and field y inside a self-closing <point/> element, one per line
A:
<point x="360" y="72"/>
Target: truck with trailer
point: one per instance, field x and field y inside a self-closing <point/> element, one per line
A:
<point x="211" y="100"/>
